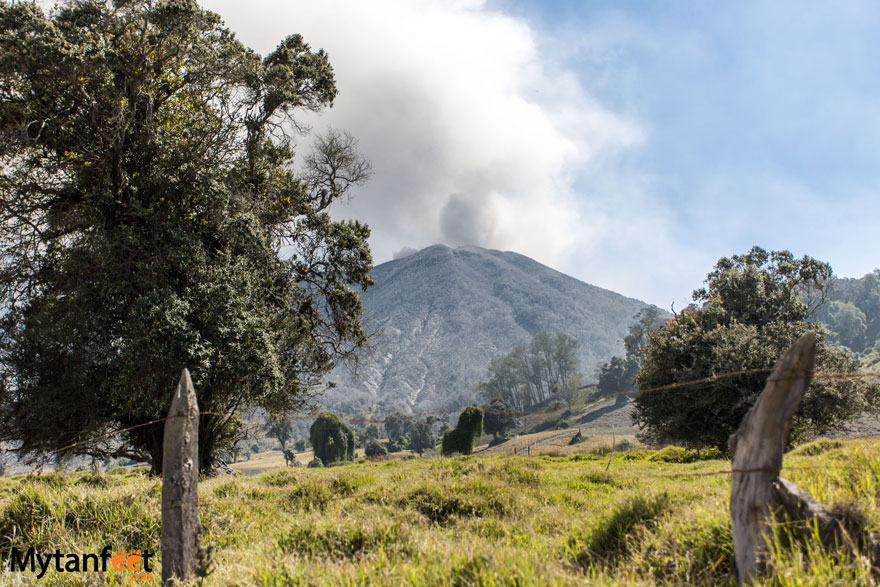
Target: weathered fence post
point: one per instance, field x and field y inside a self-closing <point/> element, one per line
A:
<point x="180" y="485"/>
<point x="757" y="448"/>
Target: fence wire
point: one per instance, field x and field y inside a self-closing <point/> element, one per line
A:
<point x="521" y="413"/>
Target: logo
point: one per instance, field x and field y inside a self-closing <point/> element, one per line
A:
<point x="135" y="563"/>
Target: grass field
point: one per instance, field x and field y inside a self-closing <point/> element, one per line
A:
<point x="499" y="520"/>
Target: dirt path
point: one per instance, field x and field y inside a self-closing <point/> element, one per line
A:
<point x="528" y="448"/>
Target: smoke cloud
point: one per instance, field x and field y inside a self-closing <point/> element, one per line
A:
<point x="474" y="136"/>
<point x="404" y="252"/>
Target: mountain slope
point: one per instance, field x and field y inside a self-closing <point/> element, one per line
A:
<point x="441" y="314"/>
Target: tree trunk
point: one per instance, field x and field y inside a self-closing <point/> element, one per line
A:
<point x="207" y="436"/>
<point x="154" y="436"/>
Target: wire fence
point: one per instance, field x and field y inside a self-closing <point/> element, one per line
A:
<point x="368" y="419"/>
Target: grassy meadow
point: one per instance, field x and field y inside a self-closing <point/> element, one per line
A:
<point x="640" y="517"/>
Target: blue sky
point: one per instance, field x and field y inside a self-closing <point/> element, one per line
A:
<point x="629" y="144"/>
<point x="761" y="118"/>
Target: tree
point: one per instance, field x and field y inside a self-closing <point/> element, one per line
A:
<point x="848" y="325"/>
<point x="853" y="302"/>
<point x="397" y="427"/>
<point x="421" y="438"/>
<point x="281" y="430"/>
<point x="616" y="376"/>
<point x="530" y="375"/>
<point x="572" y="390"/>
<point x="374" y="449"/>
<point x="332" y="440"/>
<point x="235" y="444"/>
<point x="497" y="417"/>
<point x="371" y="433"/>
<point x="751" y="311"/>
<point x="461" y="439"/>
<point x="150" y="220"/>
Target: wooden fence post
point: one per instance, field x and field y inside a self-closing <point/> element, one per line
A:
<point x="181" y="527"/>
<point x="757" y="448"/>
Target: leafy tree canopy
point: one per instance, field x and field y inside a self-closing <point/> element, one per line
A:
<point x="853" y="316"/>
<point x="150" y="220"/>
<point x="461" y="439"/>
<point x="397" y="426"/>
<point x="421" y="438"/>
<point x="616" y="376"/>
<point x="497" y="417"/>
<point x="752" y="310"/>
<point x="281" y="430"/>
<point x="332" y="439"/>
<point x="529" y="375"/>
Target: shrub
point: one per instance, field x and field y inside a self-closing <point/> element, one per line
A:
<point x="375" y="449"/>
<point x="315" y="463"/>
<point x="461" y="440"/>
<point x="421" y="438"/>
<point x="497" y="418"/>
<point x="332" y="440"/>
<point x="818" y="447"/>
<point x="678" y="454"/>
<point x="394" y="446"/>
<point x="625" y="445"/>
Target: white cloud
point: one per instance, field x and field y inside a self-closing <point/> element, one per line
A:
<point x="474" y="135"/>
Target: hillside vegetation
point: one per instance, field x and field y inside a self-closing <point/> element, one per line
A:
<point x="644" y="517"/>
<point x="440" y="315"/>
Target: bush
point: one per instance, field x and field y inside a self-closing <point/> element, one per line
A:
<point x="461" y="439"/>
<point x="625" y="445"/>
<point x="332" y="440"/>
<point x="497" y="418"/>
<point x="394" y="446"/>
<point x="421" y="438"/>
<point x="315" y="463"/>
<point x="375" y="449"/>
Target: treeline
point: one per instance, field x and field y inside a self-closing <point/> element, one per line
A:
<point x="617" y="375"/>
<point x="852" y="315"/>
<point x="529" y="375"/>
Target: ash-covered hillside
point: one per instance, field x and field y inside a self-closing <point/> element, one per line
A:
<point x="441" y="314"/>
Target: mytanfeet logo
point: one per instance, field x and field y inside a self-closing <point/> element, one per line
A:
<point x="135" y="563"/>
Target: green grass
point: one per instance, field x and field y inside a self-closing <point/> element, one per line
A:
<point x="653" y="517"/>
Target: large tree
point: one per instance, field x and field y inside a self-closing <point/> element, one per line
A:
<point x="150" y="220"/>
<point x="754" y="306"/>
